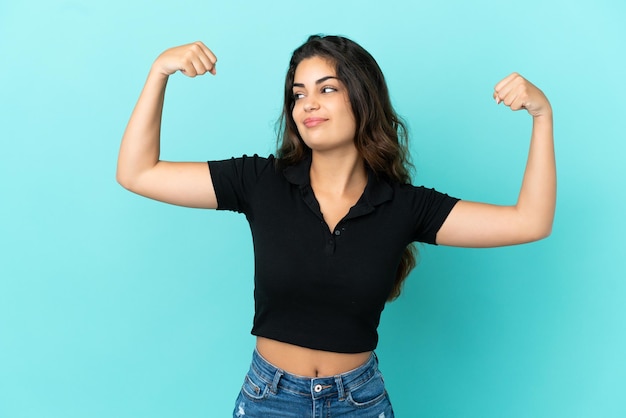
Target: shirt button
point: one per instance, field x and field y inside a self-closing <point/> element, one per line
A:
<point x="317" y="388"/>
<point x="337" y="232"/>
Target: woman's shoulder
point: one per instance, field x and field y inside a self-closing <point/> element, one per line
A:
<point x="419" y="193"/>
<point x="246" y="161"/>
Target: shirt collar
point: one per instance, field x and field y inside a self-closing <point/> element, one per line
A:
<point x="377" y="191"/>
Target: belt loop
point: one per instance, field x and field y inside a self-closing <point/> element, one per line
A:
<point x="274" y="386"/>
<point x="340" y="391"/>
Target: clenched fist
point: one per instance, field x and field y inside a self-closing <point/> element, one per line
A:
<point x="518" y="93"/>
<point x="191" y="59"/>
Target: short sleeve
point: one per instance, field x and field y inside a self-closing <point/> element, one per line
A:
<point x="235" y="180"/>
<point x="430" y="208"/>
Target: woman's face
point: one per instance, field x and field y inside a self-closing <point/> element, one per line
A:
<point x="322" y="110"/>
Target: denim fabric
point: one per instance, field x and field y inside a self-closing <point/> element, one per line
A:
<point x="271" y="392"/>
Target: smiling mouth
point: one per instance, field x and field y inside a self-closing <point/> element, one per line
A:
<point x="312" y="122"/>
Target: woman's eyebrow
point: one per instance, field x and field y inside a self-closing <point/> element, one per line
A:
<point x="321" y="80"/>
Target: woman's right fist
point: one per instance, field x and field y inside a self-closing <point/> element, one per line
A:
<point x="191" y="59"/>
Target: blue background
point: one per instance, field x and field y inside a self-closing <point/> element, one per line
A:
<point x="112" y="305"/>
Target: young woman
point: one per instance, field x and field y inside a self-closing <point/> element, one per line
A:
<point x="333" y="218"/>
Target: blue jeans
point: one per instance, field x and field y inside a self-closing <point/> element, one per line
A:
<point x="268" y="391"/>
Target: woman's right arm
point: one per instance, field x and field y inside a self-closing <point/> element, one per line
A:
<point x="139" y="168"/>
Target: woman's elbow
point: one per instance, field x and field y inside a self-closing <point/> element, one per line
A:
<point x="124" y="179"/>
<point x="538" y="233"/>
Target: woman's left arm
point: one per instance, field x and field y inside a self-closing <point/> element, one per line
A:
<point x="472" y="224"/>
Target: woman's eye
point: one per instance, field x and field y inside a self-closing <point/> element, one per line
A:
<point x="297" y="96"/>
<point x="328" y="89"/>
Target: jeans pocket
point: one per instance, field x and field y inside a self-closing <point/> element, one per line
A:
<point x="254" y="387"/>
<point x="368" y="394"/>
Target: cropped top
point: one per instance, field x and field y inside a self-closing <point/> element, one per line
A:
<point x="314" y="287"/>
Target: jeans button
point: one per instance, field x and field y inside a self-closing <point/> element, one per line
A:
<point x="317" y="388"/>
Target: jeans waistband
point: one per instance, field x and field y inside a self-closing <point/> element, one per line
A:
<point x="315" y="387"/>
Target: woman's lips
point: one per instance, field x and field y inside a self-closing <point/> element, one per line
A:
<point x="311" y="122"/>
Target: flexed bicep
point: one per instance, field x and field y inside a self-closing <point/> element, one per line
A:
<point x="473" y="224"/>
<point x="139" y="167"/>
<point x="480" y="225"/>
<point x="179" y="183"/>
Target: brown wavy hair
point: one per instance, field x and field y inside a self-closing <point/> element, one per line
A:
<point x="381" y="136"/>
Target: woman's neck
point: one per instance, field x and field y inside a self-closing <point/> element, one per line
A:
<point x="338" y="174"/>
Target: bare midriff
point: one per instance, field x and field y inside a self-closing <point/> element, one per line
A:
<point x="307" y="362"/>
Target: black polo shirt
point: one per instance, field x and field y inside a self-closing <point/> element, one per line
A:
<point x="314" y="287"/>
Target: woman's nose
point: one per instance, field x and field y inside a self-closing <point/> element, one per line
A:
<point x="310" y="104"/>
